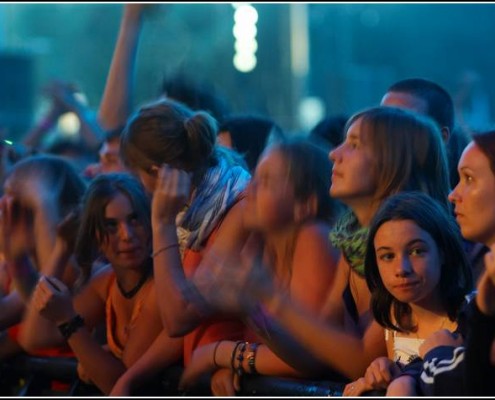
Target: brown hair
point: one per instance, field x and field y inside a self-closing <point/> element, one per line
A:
<point x="168" y="132"/>
<point x="408" y="151"/>
<point x="486" y="143"/>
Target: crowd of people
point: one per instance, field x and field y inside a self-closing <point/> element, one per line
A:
<point x="179" y="234"/>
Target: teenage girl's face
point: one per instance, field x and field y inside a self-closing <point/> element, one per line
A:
<point x="126" y="245"/>
<point x="473" y="196"/>
<point x="270" y="196"/>
<point x="353" y="166"/>
<point x="408" y="261"/>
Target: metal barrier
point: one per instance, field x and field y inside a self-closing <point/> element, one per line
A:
<point x="52" y="376"/>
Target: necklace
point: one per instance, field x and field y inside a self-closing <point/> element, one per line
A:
<point x="131" y="293"/>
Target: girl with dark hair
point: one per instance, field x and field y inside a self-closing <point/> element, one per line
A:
<point x="418" y="276"/>
<point x="114" y="223"/>
<point x="39" y="193"/>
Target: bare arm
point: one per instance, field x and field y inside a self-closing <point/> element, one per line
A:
<point x="162" y="353"/>
<point x="345" y="352"/>
<point x="179" y="315"/>
<point x="65" y="94"/>
<point x="313" y="271"/>
<point x="116" y="103"/>
<point x="11" y="310"/>
<point x="40" y="332"/>
<point x="33" y="138"/>
<point x="50" y="307"/>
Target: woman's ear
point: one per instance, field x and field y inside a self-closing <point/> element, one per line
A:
<point x="306" y="209"/>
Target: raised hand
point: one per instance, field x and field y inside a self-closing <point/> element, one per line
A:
<point x="171" y="193"/>
<point x="234" y="283"/>
<point x="52" y="299"/>
<point x="64" y="95"/>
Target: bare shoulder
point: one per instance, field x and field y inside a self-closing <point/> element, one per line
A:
<point x="232" y="231"/>
<point x="315" y="236"/>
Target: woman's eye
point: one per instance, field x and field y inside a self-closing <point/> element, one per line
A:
<point x="386" y="257"/>
<point x="111" y="226"/>
<point x="417" y="251"/>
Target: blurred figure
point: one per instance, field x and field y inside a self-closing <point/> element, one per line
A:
<point x="249" y="135"/>
<point x="109" y="156"/>
<point x="65" y="97"/>
<point x="329" y="132"/>
<point x="289" y="210"/>
<point x="40" y="192"/>
<point x="114" y="222"/>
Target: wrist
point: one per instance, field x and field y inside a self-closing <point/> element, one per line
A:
<point x="223" y="353"/>
<point x="161" y="229"/>
<point x="68" y="328"/>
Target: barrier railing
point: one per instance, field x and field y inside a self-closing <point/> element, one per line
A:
<point x="50" y="376"/>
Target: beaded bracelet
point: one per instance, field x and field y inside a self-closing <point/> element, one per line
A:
<point x="232" y="359"/>
<point x="240" y="358"/>
<point x="251" y="356"/>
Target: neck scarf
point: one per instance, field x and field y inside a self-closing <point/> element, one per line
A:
<point x="351" y="238"/>
<point x="218" y="190"/>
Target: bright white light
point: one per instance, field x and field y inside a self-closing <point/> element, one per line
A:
<point x="245" y="31"/>
<point x="81" y="97"/>
<point x="246" y="46"/>
<point x="245" y="62"/>
<point x="235" y="6"/>
<point x="68" y="124"/>
<point x="246" y="14"/>
<point x="311" y="111"/>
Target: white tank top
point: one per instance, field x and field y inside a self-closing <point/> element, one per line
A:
<point x="405" y="348"/>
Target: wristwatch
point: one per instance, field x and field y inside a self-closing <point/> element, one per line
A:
<point x="68" y="328"/>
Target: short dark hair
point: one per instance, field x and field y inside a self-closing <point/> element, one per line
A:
<point x="456" y="275"/>
<point x="250" y="135"/>
<point x="440" y="106"/>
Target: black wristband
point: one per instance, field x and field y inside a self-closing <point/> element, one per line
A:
<point x="68" y="328"/>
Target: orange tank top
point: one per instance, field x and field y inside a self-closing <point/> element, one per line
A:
<point x="212" y="329"/>
<point x="115" y="346"/>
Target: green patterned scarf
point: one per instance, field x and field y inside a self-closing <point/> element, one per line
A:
<point x="351" y="238"/>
